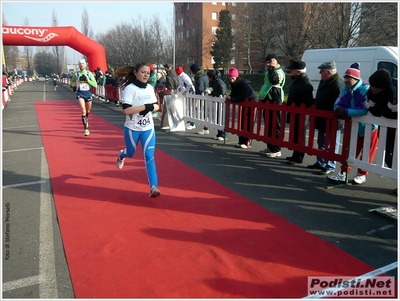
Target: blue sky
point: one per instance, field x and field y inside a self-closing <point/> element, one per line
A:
<point x="103" y="15"/>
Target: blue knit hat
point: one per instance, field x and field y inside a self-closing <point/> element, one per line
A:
<point x="194" y="68"/>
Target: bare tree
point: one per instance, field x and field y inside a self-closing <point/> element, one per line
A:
<point x="350" y="24"/>
<point x="262" y="22"/>
<point x="58" y="51"/>
<point x="292" y="27"/>
<point x="85" y="26"/>
<point x="379" y="24"/>
<point x="28" y="53"/>
<point x="158" y="33"/>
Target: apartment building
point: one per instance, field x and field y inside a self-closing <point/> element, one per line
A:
<point x="195" y="26"/>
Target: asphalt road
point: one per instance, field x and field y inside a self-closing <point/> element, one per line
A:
<point x="34" y="264"/>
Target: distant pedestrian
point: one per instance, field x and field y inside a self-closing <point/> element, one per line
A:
<point x="55" y="81"/>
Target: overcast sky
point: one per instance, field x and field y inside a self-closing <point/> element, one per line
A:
<point x="103" y="15"/>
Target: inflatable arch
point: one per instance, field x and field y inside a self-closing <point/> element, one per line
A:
<point x="56" y="36"/>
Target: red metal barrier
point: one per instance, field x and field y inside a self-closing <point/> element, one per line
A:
<point x="112" y="92"/>
<point x="258" y="113"/>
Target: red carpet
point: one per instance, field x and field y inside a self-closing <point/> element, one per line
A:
<point x="197" y="240"/>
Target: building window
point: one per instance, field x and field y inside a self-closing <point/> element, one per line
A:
<point x="233" y="17"/>
<point x="187" y="33"/>
<point x="233" y="31"/>
<point x="212" y="61"/>
<point x="233" y="46"/>
<point x="223" y="3"/>
<point x="214" y="3"/>
<point x="214" y="30"/>
<point x="233" y="61"/>
<point x="182" y="21"/>
<point x="214" y="15"/>
<point x="233" y="3"/>
<point x="245" y="61"/>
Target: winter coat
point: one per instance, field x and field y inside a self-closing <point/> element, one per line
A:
<point x="354" y="103"/>
<point x="160" y="84"/>
<point x="301" y="91"/>
<point x="380" y="102"/>
<point x="171" y="80"/>
<point x="217" y="88"/>
<point x="200" y="81"/>
<point x="241" y="89"/>
<point x="327" y="93"/>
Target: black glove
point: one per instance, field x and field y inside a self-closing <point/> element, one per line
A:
<point x="149" y="108"/>
<point x="74" y="88"/>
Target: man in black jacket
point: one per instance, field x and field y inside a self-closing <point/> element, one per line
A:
<point x="171" y="79"/>
<point x="300" y="92"/>
<point x="382" y="102"/>
<point x="328" y="91"/>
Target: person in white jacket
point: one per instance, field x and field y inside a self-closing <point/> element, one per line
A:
<point x="185" y="86"/>
<point x="185" y="83"/>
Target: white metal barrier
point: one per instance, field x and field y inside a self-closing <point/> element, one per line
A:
<point x="204" y="110"/>
<point x="378" y="166"/>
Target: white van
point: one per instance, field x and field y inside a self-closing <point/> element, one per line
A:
<point x="370" y="58"/>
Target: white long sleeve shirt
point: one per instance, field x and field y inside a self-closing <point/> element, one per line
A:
<point x="185" y="83"/>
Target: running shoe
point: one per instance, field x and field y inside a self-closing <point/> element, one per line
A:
<point x="154" y="192"/>
<point x="120" y="162"/>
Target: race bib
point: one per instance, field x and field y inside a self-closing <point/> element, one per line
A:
<point x="143" y="121"/>
<point x="84" y="87"/>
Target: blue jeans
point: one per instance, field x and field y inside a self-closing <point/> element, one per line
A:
<point x="148" y="142"/>
<point x="331" y="165"/>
